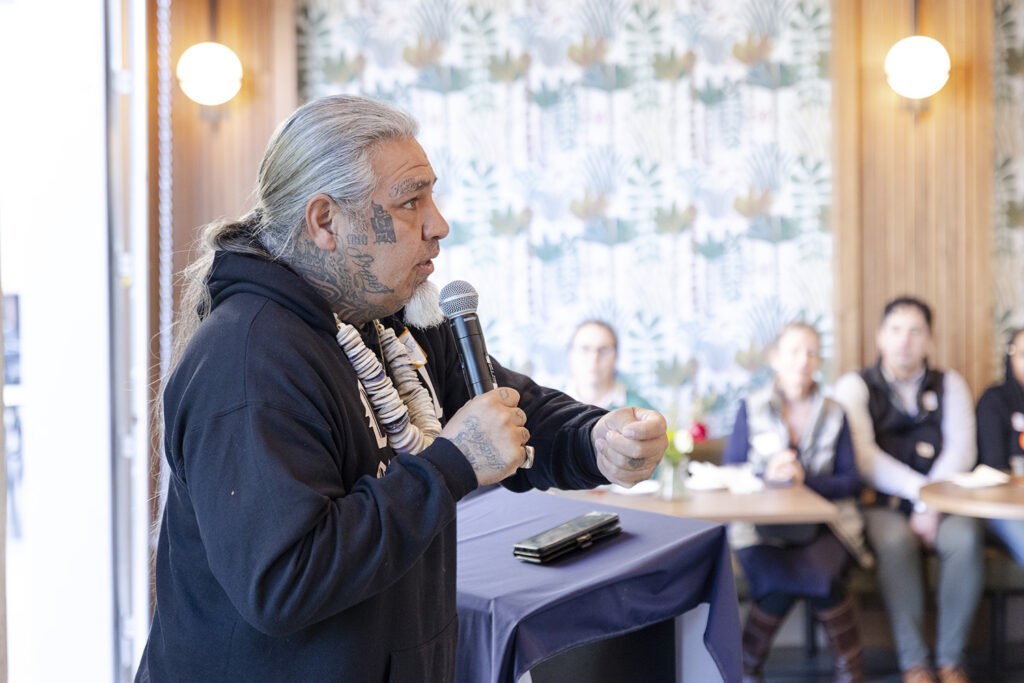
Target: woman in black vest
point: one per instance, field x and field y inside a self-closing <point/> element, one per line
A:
<point x="1001" y="432"/>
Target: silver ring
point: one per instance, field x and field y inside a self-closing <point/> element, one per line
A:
<point x="528" y="461"/>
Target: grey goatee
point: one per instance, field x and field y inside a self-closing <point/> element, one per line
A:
<point x="423" y="311"/>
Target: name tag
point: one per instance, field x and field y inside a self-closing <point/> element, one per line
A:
<point x="930" y="401"/>
<point x="416" y="353"/>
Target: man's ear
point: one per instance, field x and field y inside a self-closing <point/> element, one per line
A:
<point x="320" y="212"/>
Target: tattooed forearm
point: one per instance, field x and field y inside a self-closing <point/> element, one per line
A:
<point x="382" y="223"/>
<point x="477" y="447"/>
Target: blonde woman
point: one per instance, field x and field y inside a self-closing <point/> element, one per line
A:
<point x="792" y="434"/>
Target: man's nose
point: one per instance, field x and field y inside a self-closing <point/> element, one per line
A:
<point x="435" y="226"/>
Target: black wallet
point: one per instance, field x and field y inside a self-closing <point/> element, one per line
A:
<point x="577" y="533"/>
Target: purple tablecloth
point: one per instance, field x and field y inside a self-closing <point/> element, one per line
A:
<point x="513" y="614"/>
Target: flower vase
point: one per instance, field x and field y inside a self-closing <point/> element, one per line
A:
<point x="672" y="478"/>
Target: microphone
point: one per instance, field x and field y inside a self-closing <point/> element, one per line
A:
<point x="458" y="302"/>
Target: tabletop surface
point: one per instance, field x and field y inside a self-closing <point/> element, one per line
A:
<point x="772" y="505"/>
<point x="1005" y="501"/>
<point x="513" y="614"/>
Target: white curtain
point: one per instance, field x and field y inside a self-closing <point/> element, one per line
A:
<point x="3" y="513"/>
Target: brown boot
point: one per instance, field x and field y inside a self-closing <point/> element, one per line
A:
<point x="841" y="626"/>
<point x="758" y="633"/>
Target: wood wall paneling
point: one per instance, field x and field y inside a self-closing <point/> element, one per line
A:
<point x="846" y="212"/>
<point x="913" y="190"/>
<point x="217" y="150"/>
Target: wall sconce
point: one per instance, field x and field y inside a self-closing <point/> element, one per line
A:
<point x="917" y="67"/>
<point x="210" y="73"/>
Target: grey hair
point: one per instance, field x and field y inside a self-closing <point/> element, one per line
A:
<point x="325" y="147"/>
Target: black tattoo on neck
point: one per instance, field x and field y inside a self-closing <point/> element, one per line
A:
<point x="343" y="278"/>
<point x="477" y="447"/>
<point x="382" y="223"/>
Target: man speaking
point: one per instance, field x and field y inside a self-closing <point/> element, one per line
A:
<point x="319" y="432"/>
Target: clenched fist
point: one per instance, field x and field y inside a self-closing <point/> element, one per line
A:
<point x="629" y="443"/>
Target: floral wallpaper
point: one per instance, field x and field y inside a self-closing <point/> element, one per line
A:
<point x="1008" y="160"/>
<point x="660" y="164"/>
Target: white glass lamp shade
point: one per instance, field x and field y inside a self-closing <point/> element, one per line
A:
<point x="917" y="67"/>
<point x="209" y="73"/>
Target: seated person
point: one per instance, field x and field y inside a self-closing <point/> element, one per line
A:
<point x="912" y="424"/>
<point x="1001" y="433"/>
<point x="792" y="433"/>
<point x="593" y="352"/>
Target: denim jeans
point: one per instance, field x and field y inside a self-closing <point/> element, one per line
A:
<point x="1011" y="532"/>
<point x="959" y="547"/>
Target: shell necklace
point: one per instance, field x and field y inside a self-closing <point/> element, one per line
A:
<point x="407" y="412"/>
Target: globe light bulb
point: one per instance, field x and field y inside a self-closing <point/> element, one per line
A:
<point x="917" y="67"/>
<point x="209" y="73"/>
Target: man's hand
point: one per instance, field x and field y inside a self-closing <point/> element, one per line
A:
<point x="490" y="432"/>
<point x="785" y="467"/>
<point x="629" y="443"/>
<point x="926" y="526"/>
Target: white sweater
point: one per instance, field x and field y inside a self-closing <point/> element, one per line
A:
<point x="885" y="473"/>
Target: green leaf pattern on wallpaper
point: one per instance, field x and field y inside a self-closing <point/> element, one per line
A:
<point x="1008" y="163"/>
<point x="663" y="165"/>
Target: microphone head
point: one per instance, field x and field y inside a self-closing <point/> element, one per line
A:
<point x="458" y="298"/>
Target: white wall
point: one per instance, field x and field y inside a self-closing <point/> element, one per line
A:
<point x="53" y="246"/>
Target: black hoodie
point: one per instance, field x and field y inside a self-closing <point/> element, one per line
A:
<point x="1001" y="420"/>
<point x="286" y="552"/>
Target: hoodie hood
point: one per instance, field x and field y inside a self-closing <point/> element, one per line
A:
<point x="233" y="274"/>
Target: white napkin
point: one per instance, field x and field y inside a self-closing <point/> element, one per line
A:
<point x="983" y="475"/>
<point x="706" y="476"/>
<point x="641" y="488"/>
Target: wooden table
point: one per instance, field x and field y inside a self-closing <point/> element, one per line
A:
<point x="1005" y="501"/>
<point x="784" y="505"/>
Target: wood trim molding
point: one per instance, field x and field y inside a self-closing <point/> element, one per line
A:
<point x="846" y="204"/>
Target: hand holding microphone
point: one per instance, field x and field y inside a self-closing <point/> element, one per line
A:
<point x="490" y="428"/>
<point x="490" y="432"/>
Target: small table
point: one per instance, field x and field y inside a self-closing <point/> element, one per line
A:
<point x="1005" y="501"/>
<point x="514" y="615"/>
<point x="782" y="505"/>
